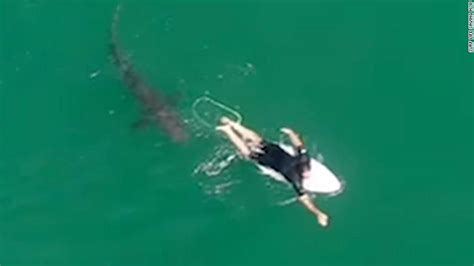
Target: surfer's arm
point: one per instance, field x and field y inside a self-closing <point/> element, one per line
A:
<point x="294" y="138"/>
<point x="305" y="199"/>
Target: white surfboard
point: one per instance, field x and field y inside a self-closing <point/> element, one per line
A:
<point x="321" y="180"/>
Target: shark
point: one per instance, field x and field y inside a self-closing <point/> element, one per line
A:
<point x="158" y="108"/>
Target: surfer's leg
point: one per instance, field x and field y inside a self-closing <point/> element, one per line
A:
<point x="235" y="139"/>
<point x="247" y="134"/>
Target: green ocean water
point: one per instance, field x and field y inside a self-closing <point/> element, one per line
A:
<point x="383" y="90"/>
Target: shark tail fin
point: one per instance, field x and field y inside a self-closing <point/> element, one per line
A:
<point x="115" y="22"/>
<point x="116" y="54"/>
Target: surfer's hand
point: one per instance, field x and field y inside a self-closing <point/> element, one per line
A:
<point x="323" y="219"/>
<point x="294" y="138"/>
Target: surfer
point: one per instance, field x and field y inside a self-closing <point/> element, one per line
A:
<point x="294" y="168"/>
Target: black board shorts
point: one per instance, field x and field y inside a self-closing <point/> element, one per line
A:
<point x="274" y="157"/>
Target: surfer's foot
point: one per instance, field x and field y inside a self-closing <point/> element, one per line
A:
<point x="226" y="121"/>
<point x="224" y="129"/>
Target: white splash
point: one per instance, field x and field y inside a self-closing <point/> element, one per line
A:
<point x="95" y="74"/>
